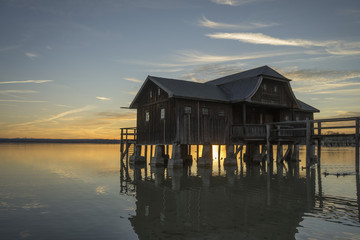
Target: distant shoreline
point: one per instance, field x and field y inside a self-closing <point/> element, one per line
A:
<point x="45" y="140"/>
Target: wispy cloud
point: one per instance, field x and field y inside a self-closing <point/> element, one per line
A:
<point x="5" y="49"/>
<point x="27" y="81"/>
<point x="335" y="47"/>
<point x="103" y="98"/>
<point x="133" y="80"/>
<point x="204" y="22"/>
<point x="196" y="57"/>
<point x="259" y="38"/>
<point x="235" y="2"/>
<point x="17" y="91"/>
<point x="130" y="92"/>
<point x="58" y="116"/>
<point x="31" y="55"/>
<point x="14" y="93"/>
<point x="22" y="101"/>
<point x="110" y="115"/>
<point x="325" y="81"/>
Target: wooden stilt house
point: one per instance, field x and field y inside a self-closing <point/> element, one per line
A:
<point x="171" y="111"/>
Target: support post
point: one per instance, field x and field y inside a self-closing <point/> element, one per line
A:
<point x="319" y="143"/>
<point x="159" y="158"/>
<point x="279" y="153"/>
<point x="357" y="145"/>
<point x="177" y="156"/>
<point x="268" y="143"/>
<point x="308" y="142"/>
<point x="136" y="158"/>
<point x="206" y="158"/>
<point x="230" y="159"/>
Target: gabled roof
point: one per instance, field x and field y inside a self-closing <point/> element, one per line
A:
<point x="187" y="89"/>
<point x="233" y="88"/>
<point x="256" y="72"/>
<point x="306" y="107"/>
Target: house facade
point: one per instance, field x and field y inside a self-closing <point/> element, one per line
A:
<point x="171" y="111"/>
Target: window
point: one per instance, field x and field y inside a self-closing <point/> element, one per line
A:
<point x="205" y="111"/>
<point x="221" y="113"/>
<point x="264" y="86"/>
<point x="162" y="113"/>
<point x="187" y="110"/>
<point x="147" y="116"/>
<point x="150" y="94"/>
<point x="286" y="117"/>
<point x="275" y="89"/>
<point x="159" y="91"/>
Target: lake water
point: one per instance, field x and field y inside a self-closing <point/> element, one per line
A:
<point x="80" y="191"/>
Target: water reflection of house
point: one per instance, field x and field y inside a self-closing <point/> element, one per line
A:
<point x="249" y="206"/>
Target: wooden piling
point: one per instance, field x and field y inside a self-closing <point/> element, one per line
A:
<point x="357" y="145"/>
<point x="308" y="142"/>
<point x="319" y="143"/>
<point x="268" y="143"/>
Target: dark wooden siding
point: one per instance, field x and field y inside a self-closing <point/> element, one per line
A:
<point x="208" y="122"/>
<point x="156" y="130"/>
<point x="273" y="92"/>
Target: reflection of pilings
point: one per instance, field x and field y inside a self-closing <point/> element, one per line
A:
<point x="310" y="186"/>
<point x="158" y="174"/>
<point x="319" y="184"/>
<point x="230" y="174"/>
<point x="205" y="174"/>
<point x="358" y="193"/>
<point x="176" y="175"/>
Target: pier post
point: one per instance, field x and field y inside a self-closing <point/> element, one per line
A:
<point x="252" y="154"/>
<point x="308" y="142"/>
<point x="319" y="143"/>
<point x="136" y="158"/>
<point x="357" y="145"/>
<point x="279" y="152"/>
<point x="178" y="154"/>
<point x="159" y="159"/>
<point x="206" y="158"/>
<point x="268" y="143"/>
<point x="230" y="159"/>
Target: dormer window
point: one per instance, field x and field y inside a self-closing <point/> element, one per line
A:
<point x="275" y="89"/>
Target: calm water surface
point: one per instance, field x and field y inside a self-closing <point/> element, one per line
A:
<point x="82" y="191"/>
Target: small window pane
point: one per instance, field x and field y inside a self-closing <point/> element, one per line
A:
<point x="205" y="111"/>
<point x="147" y="116"/>
<point x="150" y="94"/>
<point x="159" y="91"/>
<point x="187" y="110"/>
<point x="275" y="89"/>
<point x="162" y="113"/>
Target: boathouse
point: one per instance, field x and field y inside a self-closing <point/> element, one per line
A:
<point x="226" y="111"/>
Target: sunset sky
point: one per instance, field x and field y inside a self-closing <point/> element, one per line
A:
<point x="66" y="67"/>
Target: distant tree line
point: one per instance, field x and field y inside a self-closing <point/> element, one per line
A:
<point x="45" y="140"/>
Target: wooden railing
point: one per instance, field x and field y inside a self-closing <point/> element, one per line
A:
<point x="248" y="131"/>
<point x="128" y="134"/>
